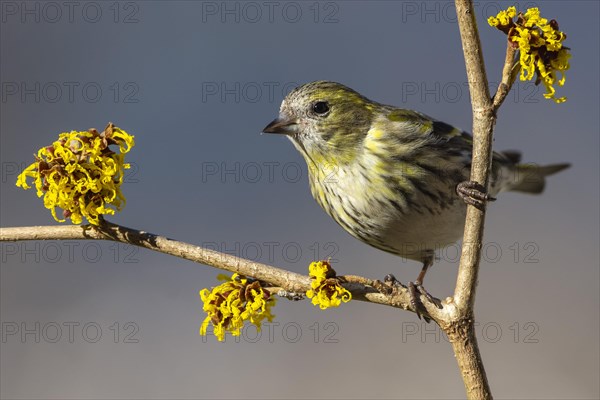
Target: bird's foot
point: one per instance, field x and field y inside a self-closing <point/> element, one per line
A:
<point x="389" y="285"/>
<point x="415" y="289"/>
<point x="474" y="194"/>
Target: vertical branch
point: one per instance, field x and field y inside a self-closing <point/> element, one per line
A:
<point x="483" y="125"/>
<point x="460" y="329"/>
<point x="466" y="350"/>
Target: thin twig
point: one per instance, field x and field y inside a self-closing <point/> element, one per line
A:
<point x="509" y="73"/>
<point x="275" y="277"/>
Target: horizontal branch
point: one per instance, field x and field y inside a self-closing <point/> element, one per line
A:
<point x="108" y="231"/>
<point x="277" y="277"/>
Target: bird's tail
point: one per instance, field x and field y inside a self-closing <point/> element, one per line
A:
<point x="531" y="177"/>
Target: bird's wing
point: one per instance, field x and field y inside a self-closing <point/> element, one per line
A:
<point x="425" y="125"/>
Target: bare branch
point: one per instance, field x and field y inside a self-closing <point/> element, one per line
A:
<point x="509" y="74"/>
<point x="483" y="125"/>
<point x="280" y="279"/>
<point x="461" y="335"/>
<point x="461" y="329"/>
<point x="108" y="231"/>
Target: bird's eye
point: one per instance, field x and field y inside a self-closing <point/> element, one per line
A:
<point x="320" y="107"/>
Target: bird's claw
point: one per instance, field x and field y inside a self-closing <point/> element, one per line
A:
<point x="389" y="285"/>
<point x="391" y="280"/>
<point x="473" y="193"/>
<point x="415" y="289"/>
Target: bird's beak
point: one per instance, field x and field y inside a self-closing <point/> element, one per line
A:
<point x="282" y="126"/>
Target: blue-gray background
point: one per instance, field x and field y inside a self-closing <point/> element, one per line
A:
<point x="195" y="82"/>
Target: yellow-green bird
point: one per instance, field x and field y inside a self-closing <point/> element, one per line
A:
<point x="394" y="178"/>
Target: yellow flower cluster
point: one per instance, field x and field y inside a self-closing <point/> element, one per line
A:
<point x="504" y="18"/>
<point x="326" y="289"/>
<point x="233" y="302"/>
<point x="81" y="174"/>
<point x="540" y="45"/>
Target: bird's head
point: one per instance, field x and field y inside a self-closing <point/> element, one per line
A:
<point x="325" y="120"/>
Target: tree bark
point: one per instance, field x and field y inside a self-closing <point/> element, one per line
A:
<point x="461" y="330"/>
